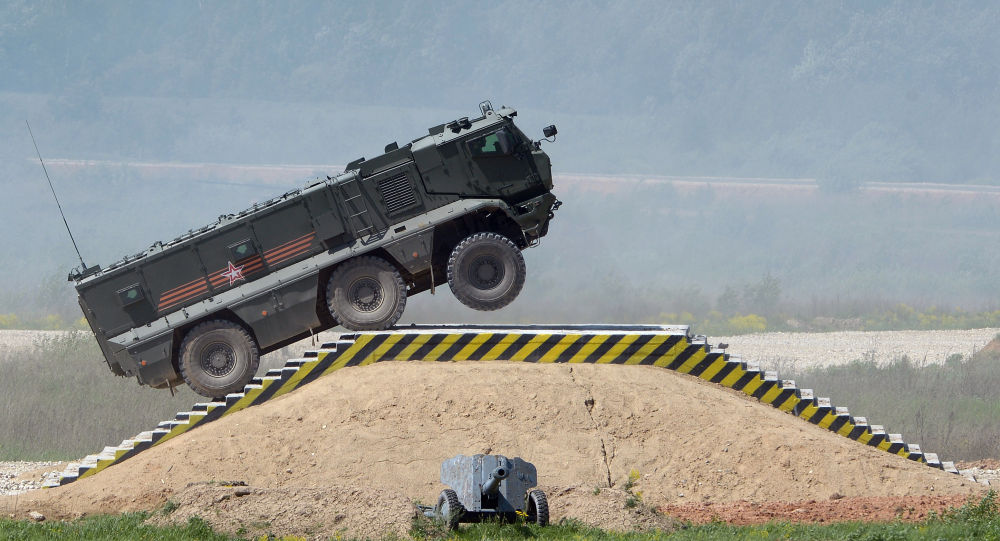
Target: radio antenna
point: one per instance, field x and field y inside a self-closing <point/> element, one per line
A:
<point x="61" y="213"/>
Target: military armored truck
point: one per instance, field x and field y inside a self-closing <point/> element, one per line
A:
<point x="457" y="205"/>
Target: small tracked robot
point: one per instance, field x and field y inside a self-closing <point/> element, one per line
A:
<point x="484" y="487"/>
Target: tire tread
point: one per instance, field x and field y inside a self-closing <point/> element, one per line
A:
<point x="211" y="325"/>
<point x="361" y="261"/>
<point x="457" y="286"/>
<point x="541" y="514"/>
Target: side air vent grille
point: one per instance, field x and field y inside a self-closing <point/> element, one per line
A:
<point x="397" y="192"/>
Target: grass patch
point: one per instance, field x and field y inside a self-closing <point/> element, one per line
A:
<point x="975" y="520"/>
<point x="952" y="409"/>
<point x="633" y="498"/>
<point x="125" y="527"/>
<point x="60" y="401"/>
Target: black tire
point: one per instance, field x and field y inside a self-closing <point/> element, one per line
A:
<point x="449" y="508"/>
<point x="366" y="294"/>
<point x="538" y="508"/>
<point x="486" y="271"/>
<point x="218" y="357"/>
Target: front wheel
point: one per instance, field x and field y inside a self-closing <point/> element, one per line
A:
<point x="366" y="294"/>
<point x="486" y="271"/>
<point x="218" y="357"/>
<point x="449" y="509"/>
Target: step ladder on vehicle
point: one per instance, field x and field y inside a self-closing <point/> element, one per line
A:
<point x="357" y="208"/>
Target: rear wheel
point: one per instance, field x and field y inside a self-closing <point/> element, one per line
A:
<point x="538" y="508"/>
<point x="486" y="271"/>
<point x="366" y="294"/>
<point x="218" y="357"/>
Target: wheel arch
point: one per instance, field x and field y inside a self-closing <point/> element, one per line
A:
<point x="501" y="260"/>
<point x="180" y="332"/>
<point x="326" y="272"/>
<point x="400" y="284"/>
<point x="487" y="220"/>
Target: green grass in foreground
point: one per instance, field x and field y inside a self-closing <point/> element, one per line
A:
<point x="975" y="520"/>
<point x="128" y="526"/>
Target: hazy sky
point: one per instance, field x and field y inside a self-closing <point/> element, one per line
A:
<point x="843" y="92"/>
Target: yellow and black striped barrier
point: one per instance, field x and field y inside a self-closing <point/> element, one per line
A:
<point x="670" y="347"/>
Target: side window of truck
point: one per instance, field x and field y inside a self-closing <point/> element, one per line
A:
<point x="498" y="143"/>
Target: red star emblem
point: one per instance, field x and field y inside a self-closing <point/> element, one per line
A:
<point x="234" y="273"/>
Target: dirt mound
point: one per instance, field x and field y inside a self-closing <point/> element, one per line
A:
<point x="906" y="508"/>
<point x="387" y="427"/>
<point x="609" y="509"/>
<point x="992" y="348"/>
<point x="323" y="513"/>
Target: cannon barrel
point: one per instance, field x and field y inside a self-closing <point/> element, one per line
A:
<point x="492" y="485"/>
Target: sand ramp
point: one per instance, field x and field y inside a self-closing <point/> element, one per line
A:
<point x="387" y="427"/>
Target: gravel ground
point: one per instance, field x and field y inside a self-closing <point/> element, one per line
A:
<point x="990" y="478"/>
<point x="12" y="340"/>
<point x="799" y="351"/>
<point x="14" y="481"/>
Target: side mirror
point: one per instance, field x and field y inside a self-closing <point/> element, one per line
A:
<point x="550" y="131"/>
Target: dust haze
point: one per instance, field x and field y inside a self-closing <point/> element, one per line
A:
<point x="660" y="106"/>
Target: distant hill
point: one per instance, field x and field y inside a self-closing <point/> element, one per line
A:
<point x="838" y="91"/>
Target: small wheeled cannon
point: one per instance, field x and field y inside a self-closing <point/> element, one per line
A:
<point x="482" y="487"/>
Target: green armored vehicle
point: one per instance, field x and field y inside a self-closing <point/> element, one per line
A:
<point x="457" y="205"/>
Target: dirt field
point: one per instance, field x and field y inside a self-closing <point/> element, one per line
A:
<point x="809" y="350"/>
<point x="326" y="452"/>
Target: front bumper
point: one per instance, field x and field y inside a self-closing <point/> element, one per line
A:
<point x="534" y="215"/>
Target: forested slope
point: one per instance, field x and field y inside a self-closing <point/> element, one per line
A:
<point x="887" y="91"/>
